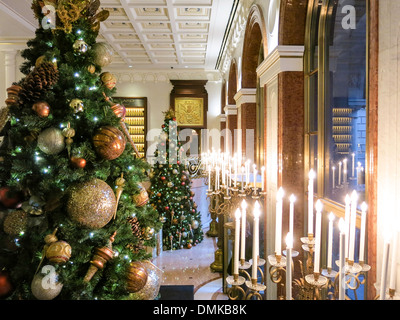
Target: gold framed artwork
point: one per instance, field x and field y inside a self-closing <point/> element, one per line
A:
<point x="189" y="112"/>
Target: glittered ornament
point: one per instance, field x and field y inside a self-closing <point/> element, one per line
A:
<point x="76" y="105"/>
<point x="46" y="286"/>
<point x="80" y="46"/>
<point x="91" y="204"/>
<point x="152" y="286"/>
<point x="15" y="223"/>
<point x="148" y="233"/>
<point x="109" y="142"/>
<point x="51" y="141"/>
<point x="41" y="108"/>
<point x="108" y="80"/>
<point x="103" y="54"/>
<point x="195" y="224"/>
<point x="136" y="277"/>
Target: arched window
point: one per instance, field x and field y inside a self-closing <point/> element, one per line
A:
<point x="336" y="92"/>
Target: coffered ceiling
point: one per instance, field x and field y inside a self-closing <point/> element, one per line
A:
<point x="147" y="34"/>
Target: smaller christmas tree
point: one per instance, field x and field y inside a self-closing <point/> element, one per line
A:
<point x="171" y="192"/>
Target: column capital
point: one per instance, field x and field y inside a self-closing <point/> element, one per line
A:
<point x="282" y="59"/>
<point x="230" y="109"/>
<point x="245" y="95"/>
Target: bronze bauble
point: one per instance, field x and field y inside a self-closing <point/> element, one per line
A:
<point x="137" y="277"/>
<point x="91" y="204"/>
<point x="103" y="54"/>
<point x="109" y="142"/>
<point x="142" y="198"/>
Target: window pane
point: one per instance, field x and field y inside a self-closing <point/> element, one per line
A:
<point x="345" y="125"/>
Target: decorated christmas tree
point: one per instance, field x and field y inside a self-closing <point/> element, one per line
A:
<point x="75" y="222"/>
<point x="171" y="192"/>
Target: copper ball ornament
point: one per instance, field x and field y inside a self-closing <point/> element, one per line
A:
<point x="109" y="142"/>
<point x="91" y="204"/>
<point x="78" y="162"/>
<point x="42" y="109"/>
<point x="136" y="277"/>
<point x="51" y="141"/>
<point x="59" y="252"/>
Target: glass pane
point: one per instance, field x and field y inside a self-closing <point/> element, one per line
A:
<point x="345" y="121"/>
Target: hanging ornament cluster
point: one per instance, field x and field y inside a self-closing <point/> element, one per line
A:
<point x="91" y="204"/>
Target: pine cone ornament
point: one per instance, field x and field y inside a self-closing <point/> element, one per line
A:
<point x="38" y="82"/>
<point x="135" y="226"/>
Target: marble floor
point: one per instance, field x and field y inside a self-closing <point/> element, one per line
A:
<point x="192" y="266"/>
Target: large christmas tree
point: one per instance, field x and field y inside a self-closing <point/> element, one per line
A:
<point x="75" y="222"/>
<point x="171" y="192"/>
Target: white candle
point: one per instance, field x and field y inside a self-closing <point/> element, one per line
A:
<point x="216" y="178"/>
<point x="330" y="240"/>
<point x="311" y="177"/>
<point x="289" y="247"/>
<point x="333" y="177"/>
<point x="254" y="177"/>
<point x="362" y="231"/>
<point x="236" y="249"/>
<point x="393" y="267"/>
<point x="209" y="179"/>
<point x="247" y="172"/>
<point x="262" y="178"/>
<point x="352" y="164"/>
<point x="292" y="200"/>
<point x="243" y="233"/>
<point x="318" y="207"/>
<point x="344" y="170"/>
<point x="243" y="172"/>
<point x="278" y="222"/>
<point x="353" y="216"/>
<point x="256" y="213"/>
<point x="384" y="271"/>
<point x="342" y="259"/>
<point x="340" y="173"/>
<point x="347" y="224"/>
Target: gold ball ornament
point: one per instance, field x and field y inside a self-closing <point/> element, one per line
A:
<point x="59" y="252"/>
<point x="80" y="46"/>
<point x="15" y="223"/>
<point x="109" y="142"/>
<point x="148" y="233"/>
<point x="142" y="198"/>
<point x="108" y="80"/>
<point x="76" y="105"/>
<point x="136" y="277"/>
<point x="152" y="286"/>
<point x="91" y="204"/>
<point x="92" y="69"/>
<point x="51" y="141"/>
<point x="103" y="54"/>
<point x="46" y="286"/>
